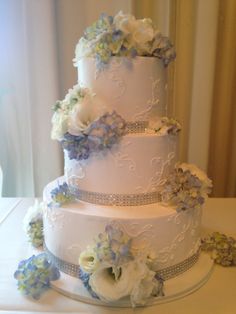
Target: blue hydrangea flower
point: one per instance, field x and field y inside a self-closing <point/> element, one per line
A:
<point x="84" y="277"/>
<point x="186" y="187"/>
<point x="221" y="248"/>
<point x="159" y="291"/>
<point x="35" y="233"/>
<point x="61" y="194"/>
<point x="33" y="224"/>
<point x="77" y="146"/>
<point x="112" y="263"/>
<point x="101" y="134"/>
<point x="113" y="246"/>
<point x="103" y="24"/>
<point x="34" y="275"/>
<point x="164" y="49"/>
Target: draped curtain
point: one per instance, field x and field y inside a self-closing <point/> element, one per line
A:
<point x="202" y="82"/>
<point x="28" y="88"/>
<point x="222" y="153"/>
<point x="37" y="41"/>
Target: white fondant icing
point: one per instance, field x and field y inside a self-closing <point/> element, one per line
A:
<point x="158" y="229"/>
<point x="138" y="164"/>
<point x="135" y="88"/>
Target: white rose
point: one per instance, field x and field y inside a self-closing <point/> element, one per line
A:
<point x="135" y="276"/>
<point x="139" y="32"/>
<point x="87" y="110"/>
<point x="124" y="22"/>
<point x="144" y="288"/>
<point x="88" y="260"/>
<point x="83" y="49"/>
<point x="59" y="125"/>
<point x="33" y="213"/>
<point x="143" y="32"/>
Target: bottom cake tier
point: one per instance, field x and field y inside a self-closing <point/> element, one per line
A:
<point x="103" y="244"/>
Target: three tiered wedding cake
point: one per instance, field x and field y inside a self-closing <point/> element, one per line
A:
<point x="125" y="218"/>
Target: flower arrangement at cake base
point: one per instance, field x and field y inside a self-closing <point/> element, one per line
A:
<point x="111" y="270"/>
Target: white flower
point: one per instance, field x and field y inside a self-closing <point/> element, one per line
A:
<point x="194" y="170"/>
<point x="33" y="214"/>
<point x="84" y="112"/>
<point x="139" y="33"/>
<point x="74" y="114"/>
<point x="88" y="260"/>
<point x="145" y="286"/>
<point x="59" y="125"/>
<point x="124" y="22"/>
<point x="135" y="280"/>
<point x="83" y="49"/>
<point x="143" y="35"/>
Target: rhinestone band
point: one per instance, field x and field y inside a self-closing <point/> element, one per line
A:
<point x="65" y="267"/>
<point x="165" y="274"/>
<point x="136" y="126"/>
<point x="179" y="268"/>
<point x="116" y="199"/>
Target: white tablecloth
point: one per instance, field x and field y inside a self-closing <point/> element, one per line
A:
<point x="217" y="296"/>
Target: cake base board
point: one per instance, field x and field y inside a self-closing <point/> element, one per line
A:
<point x="174" y="288"/>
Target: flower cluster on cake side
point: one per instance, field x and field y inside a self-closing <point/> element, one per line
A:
<point x="111" y="269"/>
<point x="187" y="187"/>
<point x="33" y="224"/>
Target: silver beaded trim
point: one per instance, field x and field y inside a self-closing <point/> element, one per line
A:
<point x="177" y="269"/>
<point x="136" y="126"/>
<point x="116" y="199"/>
<point x="165" y="274"/>
<point x="65" y="267"/>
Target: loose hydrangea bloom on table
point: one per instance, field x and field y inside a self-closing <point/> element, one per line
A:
<point x="221" y="247"/>
<point x="82" y="125"/>
<point x="34" y="275"/>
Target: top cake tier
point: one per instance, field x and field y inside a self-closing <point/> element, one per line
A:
<point x="123" y="60"/>
<point x="133" y="87"/>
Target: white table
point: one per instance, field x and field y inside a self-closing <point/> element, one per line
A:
<point x="217" y="296"/>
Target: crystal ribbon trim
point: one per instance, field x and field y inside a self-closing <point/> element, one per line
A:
<point x="116" y="199"/>
<point x="136" y="126"/>
<point x="165" y="273"/>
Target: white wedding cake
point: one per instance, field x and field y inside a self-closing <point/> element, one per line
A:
<point x="125" y="218"/>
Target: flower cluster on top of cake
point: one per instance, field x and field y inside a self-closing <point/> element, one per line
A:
<point x="124" y="36"/>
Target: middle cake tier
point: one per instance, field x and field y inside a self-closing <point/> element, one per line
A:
<point x="138" y="164"/>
